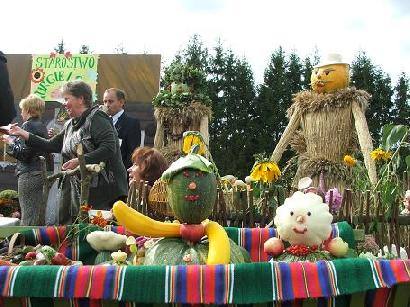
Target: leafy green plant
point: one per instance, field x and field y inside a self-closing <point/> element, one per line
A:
<point x="180" y="73"/>
<point x="392" y="158"/>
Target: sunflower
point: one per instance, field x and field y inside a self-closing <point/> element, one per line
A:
<point x="37" y="75"/>
<point x="266" y="171"/>
<point x="379" y="154"/>
<point x="191" y="138"/>
<point x="349" y="160"/>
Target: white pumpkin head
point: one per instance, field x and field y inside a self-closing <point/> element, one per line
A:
<point x="303" y="219"/>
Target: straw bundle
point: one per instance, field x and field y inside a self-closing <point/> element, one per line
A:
<point x="322" y="129"/>
<point x="173" y="122"/>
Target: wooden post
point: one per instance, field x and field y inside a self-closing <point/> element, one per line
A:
<point x="249" y="197"/>
<point x="367" y="219"/>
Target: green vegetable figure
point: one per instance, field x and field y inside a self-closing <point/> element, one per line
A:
<point x="191" y="184"/>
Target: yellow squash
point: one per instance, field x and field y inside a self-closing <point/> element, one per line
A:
<point x="143" y="225"/>
<point x="219" y="248"/>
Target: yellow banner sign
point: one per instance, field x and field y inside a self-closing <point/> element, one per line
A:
<point x="50" y="72"/>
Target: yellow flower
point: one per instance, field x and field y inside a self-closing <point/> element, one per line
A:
<point x="379" y="154"/>
<point x="387" y="155"/>
<point x="265" y="171"/>
<point x="190" y="139"/>
<point x="349" y="160"/>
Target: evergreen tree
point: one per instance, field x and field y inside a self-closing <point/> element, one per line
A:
<point x="232" y="130"/>
<point x="366" y="76"/>
<point x="307" y="71"/>
<point x="85" y="49"/>
<point x="308" y="64"/>
<point x="60" y="48"/>
<point x="401" y="109"/>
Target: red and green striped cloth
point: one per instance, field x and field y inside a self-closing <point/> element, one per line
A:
<point x="332" y="283"/>
<point x="248" y="283"/>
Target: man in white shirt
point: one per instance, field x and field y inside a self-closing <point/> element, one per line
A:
<point x="128" y="128"/>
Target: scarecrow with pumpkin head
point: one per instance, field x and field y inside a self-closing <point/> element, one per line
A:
<point x="326" y="124"/>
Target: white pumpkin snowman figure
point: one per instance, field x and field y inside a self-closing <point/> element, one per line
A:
<point x="305" y="222"/>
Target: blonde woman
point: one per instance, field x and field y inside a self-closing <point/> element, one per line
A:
<point x="28" y="169"/>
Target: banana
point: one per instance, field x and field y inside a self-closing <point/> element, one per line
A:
<point x="142" y="225"/>
<point x="219" y="247"/>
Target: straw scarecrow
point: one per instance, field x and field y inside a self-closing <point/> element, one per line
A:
<point x="325" y="125"/>
<point x="181" y="106"/>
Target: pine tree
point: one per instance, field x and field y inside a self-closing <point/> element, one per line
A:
<point x="366" y="76"/>
<point x="85" y="49"/>
<point x="60" y="48"/>
<point x="401" y="109"/>
<point x="282" y="79"/>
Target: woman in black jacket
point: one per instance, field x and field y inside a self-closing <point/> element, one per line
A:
<point x="92" y="128"/>
<point x="28" y="169"/>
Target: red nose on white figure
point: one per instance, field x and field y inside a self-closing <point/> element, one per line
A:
<point x="300" y="219"/>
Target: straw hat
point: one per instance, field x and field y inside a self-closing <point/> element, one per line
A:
<point x="332" y="58"/>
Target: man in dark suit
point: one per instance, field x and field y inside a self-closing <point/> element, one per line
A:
<point x="128" y="128"/>
<point x="7" y="109"/>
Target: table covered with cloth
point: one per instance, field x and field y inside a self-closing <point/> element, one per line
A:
<point x="341" y="282"/>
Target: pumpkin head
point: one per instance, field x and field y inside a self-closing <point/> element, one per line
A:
<point x="330" y="75"/>
<point x="191" y="187"/>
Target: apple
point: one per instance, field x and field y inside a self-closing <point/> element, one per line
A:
<point x="273" y="247"/>
<point x="192" y="232"/>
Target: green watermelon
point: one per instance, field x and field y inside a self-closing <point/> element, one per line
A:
<point x="174" y="251"/>
<point x="193" y="205"/>
<point x="191" y="188"/>
<point x="314" y="256"/>
<point x="102" y="257"/>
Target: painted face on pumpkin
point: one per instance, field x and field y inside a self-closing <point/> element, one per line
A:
<point x="329" y="78"/>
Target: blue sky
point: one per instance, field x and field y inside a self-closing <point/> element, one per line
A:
<point x="252" y="29"/>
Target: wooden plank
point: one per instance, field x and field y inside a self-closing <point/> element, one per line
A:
<point x="401" y="295"/>
<point x="309" y="302"/>
<point x="358" y="299"/>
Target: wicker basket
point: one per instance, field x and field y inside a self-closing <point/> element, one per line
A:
<point x="158" y="199"/>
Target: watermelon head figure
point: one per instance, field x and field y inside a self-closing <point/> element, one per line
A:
<point x="191" y="186"/>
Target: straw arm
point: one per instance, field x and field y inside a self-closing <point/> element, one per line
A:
<point x="287" y="136"/>
<point x="365" y="140"/>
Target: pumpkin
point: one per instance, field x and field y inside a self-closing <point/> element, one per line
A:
<point x="175" y="251"/>
<point x="329" y="78"/>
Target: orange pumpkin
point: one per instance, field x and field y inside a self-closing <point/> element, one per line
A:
<point x="329" y="78"/>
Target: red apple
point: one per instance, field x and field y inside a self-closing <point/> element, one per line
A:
<point x="192" y="232"/>
<point x="273" y="246"/>
<point x="60" y="259"/>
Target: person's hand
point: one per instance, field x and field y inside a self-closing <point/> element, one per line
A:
<point x="18" y="131"/>
<point x="51" y="132"/>
<point x="71" y="164"/>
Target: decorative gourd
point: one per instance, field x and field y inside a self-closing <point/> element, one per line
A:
<point x="330" y="76"/>
<point x="191" y="185"/>
<point x="305" y="222"/>
<point x="174" y="251"/>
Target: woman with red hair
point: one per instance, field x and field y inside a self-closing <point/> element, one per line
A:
<point x="148" y="164"/>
